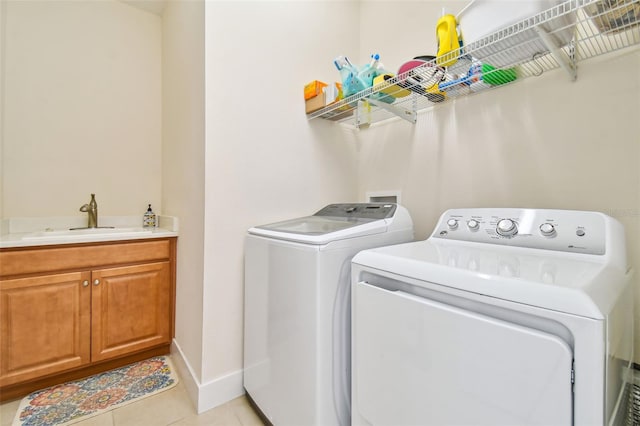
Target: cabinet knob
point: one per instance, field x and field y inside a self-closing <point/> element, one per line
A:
<point x="96" y="282"/>
<point x="85" y="283"/>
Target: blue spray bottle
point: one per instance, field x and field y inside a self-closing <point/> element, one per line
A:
<point x="371" y="70"/>
<point x="351" y="82"/>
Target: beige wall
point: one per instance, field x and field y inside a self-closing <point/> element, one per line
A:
<point x="3" y="7"/>
<point x="544" y="142"/>
<point x="82" y="108"/>
<point x="183" y="165"/>
<point x="264" y="161"/>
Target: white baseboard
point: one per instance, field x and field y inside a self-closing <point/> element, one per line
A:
<point x="185" y="372"/>
<point x="211" y="394"/>
<point x="221" y="390"/>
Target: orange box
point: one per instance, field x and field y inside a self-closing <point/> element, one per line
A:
<point x="313" y="89"/>
<point x="315" y="103"/>
<point x="329" y="94"/>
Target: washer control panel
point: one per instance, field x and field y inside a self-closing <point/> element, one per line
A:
<point x="374" y="211"/>
<point x="563" y="230"/>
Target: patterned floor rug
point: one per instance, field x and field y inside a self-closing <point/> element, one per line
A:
<point x="78" y="400"/>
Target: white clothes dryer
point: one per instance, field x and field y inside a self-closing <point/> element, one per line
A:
<point x="501" y="317"/>
<point x="297" y="309"/>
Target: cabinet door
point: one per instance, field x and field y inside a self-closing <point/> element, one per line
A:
<point x="130" y="309"/>
<point x="44" y="325"/>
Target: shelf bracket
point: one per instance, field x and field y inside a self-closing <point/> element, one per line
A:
<point x="568" y="64"/>
<point x="409" y="115"/>
<point x="363" y="114"/>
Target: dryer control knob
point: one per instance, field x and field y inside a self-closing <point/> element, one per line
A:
<point x="473" y="224"/>
<point x="506" y="227"/>
<point x="547" y="229"/>
<point x="452" y="224"/>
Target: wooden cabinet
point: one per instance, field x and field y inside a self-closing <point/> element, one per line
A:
<point x="130" y="309"/>
<point x="70" y="311"/>
<point x="45" y="325"/>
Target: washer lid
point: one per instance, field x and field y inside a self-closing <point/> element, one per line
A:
<point x="577" y="284"/>
<point x="313" y="225"/>
<point x="333" y="222"/>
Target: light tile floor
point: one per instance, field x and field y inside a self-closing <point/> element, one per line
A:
<point x="172" y="407"/>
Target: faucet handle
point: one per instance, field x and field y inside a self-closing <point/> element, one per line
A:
<point x="84" y="208"/>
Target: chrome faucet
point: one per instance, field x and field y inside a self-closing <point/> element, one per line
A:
<point x="92" y="210"/>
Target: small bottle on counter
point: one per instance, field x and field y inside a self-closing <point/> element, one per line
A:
<point x="149" y="219"/>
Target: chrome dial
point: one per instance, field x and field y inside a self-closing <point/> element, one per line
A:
<point x="473" y="224"/>
<point x="452" y="224"/>
<point x="507" y="227"/>
<point x="548" y="230"/>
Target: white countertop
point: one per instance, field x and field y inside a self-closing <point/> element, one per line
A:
<point x="30" y="232"/>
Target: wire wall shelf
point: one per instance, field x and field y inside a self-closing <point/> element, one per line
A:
<point x="559" y="37"/>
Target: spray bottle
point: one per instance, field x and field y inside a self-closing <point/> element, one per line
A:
<point x="351" y="82"/>
<point x="371" y="70"/>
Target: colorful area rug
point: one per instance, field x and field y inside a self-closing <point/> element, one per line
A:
<point x="78" y="400"/>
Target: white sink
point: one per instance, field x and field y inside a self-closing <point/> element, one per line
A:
<point x="85" y="232"/>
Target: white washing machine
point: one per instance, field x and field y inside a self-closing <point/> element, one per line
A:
<point x="501" y="317"/>
<point x="297" y="309"/>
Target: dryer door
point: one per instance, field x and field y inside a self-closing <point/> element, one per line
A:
<point x="417" y="361"/>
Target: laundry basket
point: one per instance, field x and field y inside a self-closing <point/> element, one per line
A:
<point x="613" y="16"/>
<point x="633" y="405"/>
<point x="484" y="17"/>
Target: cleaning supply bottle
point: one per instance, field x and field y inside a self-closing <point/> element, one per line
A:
<point x="351" y="82"/>
<point x="149" y="219"/>
<point x="370" y="71"/>
<point x="448" y="40"/>
<point x="377" y="64"/>
<point x="375" y="71"/>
